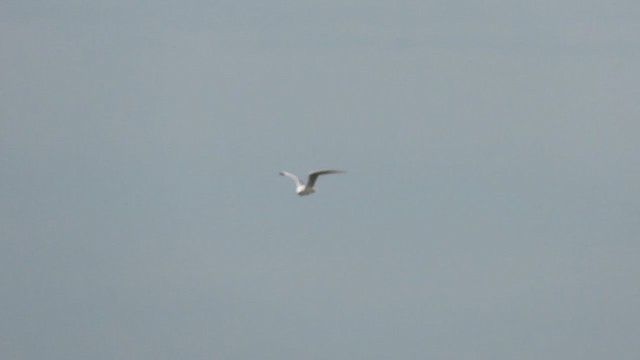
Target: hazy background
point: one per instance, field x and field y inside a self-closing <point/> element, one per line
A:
<point x="490" y="210"/>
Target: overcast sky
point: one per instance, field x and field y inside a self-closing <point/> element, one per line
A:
<point x="490" y="209"/>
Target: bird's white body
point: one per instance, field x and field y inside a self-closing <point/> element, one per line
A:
<point x="308" y="188"/>
<point x="304" y="190"/>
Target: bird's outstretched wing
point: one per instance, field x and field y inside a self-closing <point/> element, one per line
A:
<point x="314" y="176"/>
<point x="291" y="176"/>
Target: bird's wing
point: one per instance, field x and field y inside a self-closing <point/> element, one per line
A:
<point x="314" y="176"/>
<point x="291" y="176"/>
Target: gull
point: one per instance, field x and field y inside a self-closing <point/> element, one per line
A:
<point x="306" y="189"/>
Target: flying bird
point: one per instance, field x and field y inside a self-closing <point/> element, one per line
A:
<point x="306" y="189"/>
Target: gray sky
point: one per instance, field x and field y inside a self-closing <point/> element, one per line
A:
<point x="490" y="210"/>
